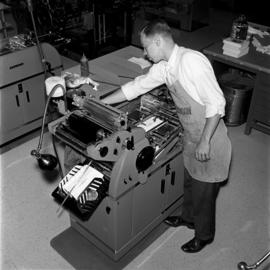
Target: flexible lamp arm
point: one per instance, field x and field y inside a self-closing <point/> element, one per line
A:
<point x="46" y="161"/>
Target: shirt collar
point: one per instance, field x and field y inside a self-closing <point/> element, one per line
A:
<point x="173" y="58"/>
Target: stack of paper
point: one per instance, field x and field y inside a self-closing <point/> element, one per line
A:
<point x="235" y="49"/>
<point x="150" y="123"/>
<point x="143" y="63"/>
<point x="259" y="47"/>
<point x="78" y="181"/>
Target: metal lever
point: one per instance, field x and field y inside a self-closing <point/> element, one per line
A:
<point x="244" y="266"/>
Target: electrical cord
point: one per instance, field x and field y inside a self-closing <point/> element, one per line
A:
<point x="57" y="157"/>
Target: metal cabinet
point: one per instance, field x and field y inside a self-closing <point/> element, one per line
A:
<point x="21" y="105"/>
<point x="22" y="95"/>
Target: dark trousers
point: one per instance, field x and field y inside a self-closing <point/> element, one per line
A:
<point x="199" y="206"/>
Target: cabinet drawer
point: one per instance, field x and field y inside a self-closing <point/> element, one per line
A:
<point x="22" y="106"/>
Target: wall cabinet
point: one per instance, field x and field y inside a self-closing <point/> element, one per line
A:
<point x="22" y="90"/>
<point x="22" y="106"/>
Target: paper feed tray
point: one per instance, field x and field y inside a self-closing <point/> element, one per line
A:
<point x="85" y="188"/>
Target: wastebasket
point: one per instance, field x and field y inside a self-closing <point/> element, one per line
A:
<point x="237" y="88"/>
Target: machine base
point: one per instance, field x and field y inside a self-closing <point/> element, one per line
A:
<point x="117" y="254"/>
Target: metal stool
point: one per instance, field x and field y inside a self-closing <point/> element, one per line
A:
<point x="244" y="266"/>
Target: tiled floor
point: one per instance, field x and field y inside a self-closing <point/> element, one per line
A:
<point x="33" y="236"/>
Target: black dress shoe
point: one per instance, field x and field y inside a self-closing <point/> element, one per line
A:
<point x="195" y="245"/>
<point x="176" y="221"/>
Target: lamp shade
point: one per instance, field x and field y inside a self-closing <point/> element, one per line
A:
<point x="53" y="81"/>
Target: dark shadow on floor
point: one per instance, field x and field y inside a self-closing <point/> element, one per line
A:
<point x="82" y="254"/>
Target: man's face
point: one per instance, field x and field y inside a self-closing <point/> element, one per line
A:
<point x="151" y="46"/>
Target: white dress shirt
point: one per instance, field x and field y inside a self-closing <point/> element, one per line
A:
<point x="193" y="71"/>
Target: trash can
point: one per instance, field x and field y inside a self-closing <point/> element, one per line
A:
<point x="237" y="88"/>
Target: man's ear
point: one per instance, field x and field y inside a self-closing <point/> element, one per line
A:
<point x="158" y="41"/>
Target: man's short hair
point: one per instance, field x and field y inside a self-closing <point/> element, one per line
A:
<point x="157" y="27"/>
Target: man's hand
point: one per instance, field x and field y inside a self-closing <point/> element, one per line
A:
<point x="202" y="151"/>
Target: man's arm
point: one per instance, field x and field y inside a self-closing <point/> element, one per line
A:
<point x="115" y="97"/>
<point x="139" y="86"/>
<point x="202" y="151"/>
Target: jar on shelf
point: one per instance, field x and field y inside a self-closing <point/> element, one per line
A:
<point x="239" y="29"/>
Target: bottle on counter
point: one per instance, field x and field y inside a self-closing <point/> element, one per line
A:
<point x="84" y="66"/>
<point x="239" y="29"/>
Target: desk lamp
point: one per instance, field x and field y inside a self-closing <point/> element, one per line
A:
<point x="55" y="87"/>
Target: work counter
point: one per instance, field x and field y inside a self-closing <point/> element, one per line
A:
<point x="258" y="65"/>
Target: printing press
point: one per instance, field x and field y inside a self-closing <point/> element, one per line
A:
<point x="133" y="177"/>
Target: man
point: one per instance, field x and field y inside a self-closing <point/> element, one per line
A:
<point x="200" y="105"/>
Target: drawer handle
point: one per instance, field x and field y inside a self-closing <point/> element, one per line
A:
<point x="17" y="101"/>
<point x="27" y="97"/>
<point x="168" y="169"/>
<point x="162" y="188"/>
<point x="20" y="88"/>
<point x="173" y="178"/>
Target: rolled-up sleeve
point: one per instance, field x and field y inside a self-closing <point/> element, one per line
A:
<point x="145" y="83"/>
<point x="201" y="80"/>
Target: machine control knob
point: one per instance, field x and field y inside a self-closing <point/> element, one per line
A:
<point x="103" y="151"/>
<point x="145" y="158"/>
<point x="130" y="143"/>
